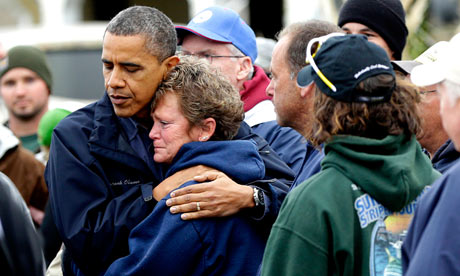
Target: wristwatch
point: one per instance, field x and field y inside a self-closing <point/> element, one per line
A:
<point x="258" y="197"/>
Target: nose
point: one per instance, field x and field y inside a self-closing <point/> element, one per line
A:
<point x="154" y="132"/>
<point x="115" y="79"/>
<point x="270" y="90"/>
<point x="20" y="88"/>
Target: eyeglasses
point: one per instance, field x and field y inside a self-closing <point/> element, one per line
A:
<point x="428" y="92"/>
<point x="310" y="57"/>
<point x="210" y="57"/>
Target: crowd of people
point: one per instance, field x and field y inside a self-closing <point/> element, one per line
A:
<point x="328" y="155"/>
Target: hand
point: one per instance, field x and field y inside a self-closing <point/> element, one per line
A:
<point x="219" y="198"/>
<point x="37" y="215"/>
<point x="177" y="179"/>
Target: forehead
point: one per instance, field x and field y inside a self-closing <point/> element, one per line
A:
<point x="194" y="43"/>
<point x="19" y="72"/>
<point x="280" y="52"/>
<point x="355" y="27"/>
<point x="169" y="100"/>
<point x="125" y="48"/>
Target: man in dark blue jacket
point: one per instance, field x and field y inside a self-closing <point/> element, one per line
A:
<point x="432" y="246"/>
<point x="101" y="172"/>
<point x="293" y="104"/>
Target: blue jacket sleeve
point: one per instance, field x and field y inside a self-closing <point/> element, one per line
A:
<point x="275" y="185"/>
<point x="432" y="246"/>
<point x="93" y="219"/>
<point x="285" y="141"/>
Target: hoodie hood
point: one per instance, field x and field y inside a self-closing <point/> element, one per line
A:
<point x="7" y="141"/>
<point x="393" y="170"/>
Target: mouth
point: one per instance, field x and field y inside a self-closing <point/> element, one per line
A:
<point x="118" y="99"/>
<point x="21" y="103"/>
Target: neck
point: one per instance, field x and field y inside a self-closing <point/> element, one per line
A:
<point x="144" y="119"/>
<point x="434" y="142"/>
<point x="22" y="128"/>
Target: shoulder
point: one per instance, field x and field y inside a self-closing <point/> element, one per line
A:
<point x="79" y="119"/>
<point x="322" y="190"/>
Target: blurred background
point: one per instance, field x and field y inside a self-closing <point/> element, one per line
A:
<point x="70" y="31"/>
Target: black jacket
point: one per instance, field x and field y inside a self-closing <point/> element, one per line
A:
<point x="20" y="251"/>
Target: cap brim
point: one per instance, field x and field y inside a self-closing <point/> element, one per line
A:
<point x="427" y="74"/>
<point x="305" y="76"/>
<point x="182" y="31"/>
<point x="405" y="66"/>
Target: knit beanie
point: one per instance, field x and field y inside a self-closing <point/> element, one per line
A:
<point x="47" y="124"/>
<point x="28" y="57"/>
<point x="385" y="17"/>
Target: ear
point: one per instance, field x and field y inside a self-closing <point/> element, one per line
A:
<point x="245" y="68"/>
<point x="169" y="63"/>
<point x="308" y="91"/>
<point x="208" y="127"/>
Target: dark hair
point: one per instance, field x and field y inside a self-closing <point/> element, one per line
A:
<point x="301" y="33"/>
<point x="204" y="93"/>
<point x="372" y="120"/>
<point x="155" y="26"/>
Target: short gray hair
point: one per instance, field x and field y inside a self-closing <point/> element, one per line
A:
<point x="155" y="26"/>
<point x="236" y="52"/>
<point x="300" y="34"/>
<point x="204" y="93"/>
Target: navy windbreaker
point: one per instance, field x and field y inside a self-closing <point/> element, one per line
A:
<point x="163" y="244"/>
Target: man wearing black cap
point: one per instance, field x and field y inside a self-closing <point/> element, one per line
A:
<point x="349" y="219"/>
<point x="382" y="21"/>
<point x="25" y="86"/>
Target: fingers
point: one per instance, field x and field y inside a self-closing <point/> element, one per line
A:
<point x="197" y="215"/>
<point x="190" y="210"/>
<point x="208" y="176"/>
<point x="192" y="189"/>
<point x="189" y="207"/>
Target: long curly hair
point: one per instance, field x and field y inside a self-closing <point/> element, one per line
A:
<point x="372" y="120"/>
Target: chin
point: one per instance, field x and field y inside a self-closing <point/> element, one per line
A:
<point x="161" y="159"/>
<point x="122" y="112"/>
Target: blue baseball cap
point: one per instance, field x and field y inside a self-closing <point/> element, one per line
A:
<point x="341" y="63"/>
<point x="222" y="25"/>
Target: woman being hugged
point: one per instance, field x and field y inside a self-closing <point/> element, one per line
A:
<point x="351" y="218"/>
<point x="195" y="111"/>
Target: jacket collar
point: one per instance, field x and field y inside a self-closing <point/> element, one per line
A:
<point x="254" y="89"/>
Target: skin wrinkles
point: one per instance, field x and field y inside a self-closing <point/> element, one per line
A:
<point x="235" y="69"/>
<point x="170" y="129"/>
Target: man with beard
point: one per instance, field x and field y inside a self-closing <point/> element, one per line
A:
<point x="25" y="86"/>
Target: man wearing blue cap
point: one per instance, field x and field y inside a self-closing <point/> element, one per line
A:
<point x="220" y="36"/>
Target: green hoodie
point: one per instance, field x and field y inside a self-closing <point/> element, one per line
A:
<point x="350" y="218"/>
